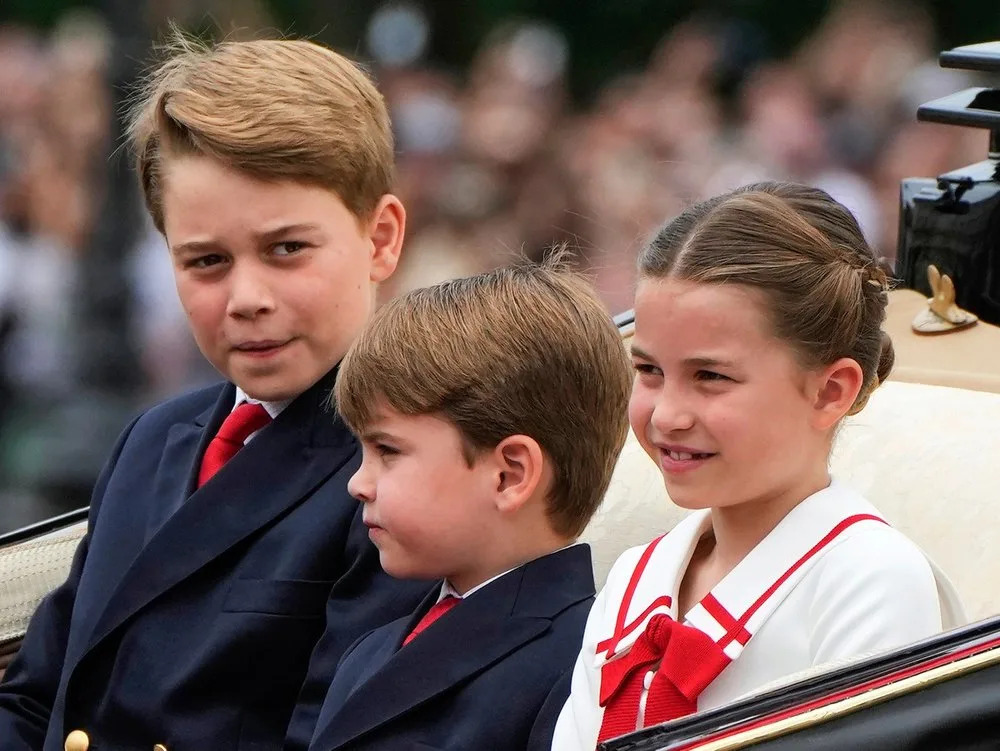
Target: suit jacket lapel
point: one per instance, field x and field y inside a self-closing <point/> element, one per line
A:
<point x="178" y="468"/>
<point x="274" y="472"/>
<point x="390" y="641"/>
<point x="481" y="630"/>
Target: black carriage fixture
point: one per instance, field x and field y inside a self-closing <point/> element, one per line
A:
<point x="953" y="221"/>
<point x="941" y="693"/>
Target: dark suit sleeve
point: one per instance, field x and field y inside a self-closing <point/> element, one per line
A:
<point x="29" y="687"/>
<point x="362" y="599"/>
<point x="545" y="724"/>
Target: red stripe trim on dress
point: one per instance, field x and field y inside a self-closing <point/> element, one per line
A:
<point x="620" y="628"/>
<point x="662" y="601"/>
<point x="735" y="631"/>
<point x="735" y="627"/>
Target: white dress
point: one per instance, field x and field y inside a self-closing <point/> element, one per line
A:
<point x="830" y="582"/>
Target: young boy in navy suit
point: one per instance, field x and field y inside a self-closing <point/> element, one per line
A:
<point x="222" y="540"/>
<point x="491" y="411"/>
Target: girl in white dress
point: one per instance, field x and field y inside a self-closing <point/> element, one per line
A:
<point x="757" y="329"/>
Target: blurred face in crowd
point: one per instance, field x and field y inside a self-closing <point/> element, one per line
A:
<point x="277" y="277"/>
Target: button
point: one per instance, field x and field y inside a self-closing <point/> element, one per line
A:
<point x="77" y="741"/>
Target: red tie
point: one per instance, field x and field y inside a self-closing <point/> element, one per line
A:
<point x="439" y="608"/>
<point x="235" y="429"/>
<point x="688" y="660"/>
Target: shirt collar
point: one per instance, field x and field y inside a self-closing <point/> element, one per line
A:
<point x="272" y="408"/>
<point x="449" y="591"/>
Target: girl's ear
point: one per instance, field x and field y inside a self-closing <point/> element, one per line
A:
<point x="521" y="464"/>
<point x="836" y="389"/>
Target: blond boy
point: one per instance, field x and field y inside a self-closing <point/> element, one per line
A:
<point x="222" y="541"/>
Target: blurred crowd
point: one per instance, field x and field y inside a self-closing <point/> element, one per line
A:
<point x="495" y="160"/>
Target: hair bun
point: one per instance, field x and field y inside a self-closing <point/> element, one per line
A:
<point x="886" y="358"/>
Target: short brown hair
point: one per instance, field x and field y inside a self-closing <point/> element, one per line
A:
<point x="278" y="109"/>
<point x="523" y="350"/>
<point x="825" y="292"/>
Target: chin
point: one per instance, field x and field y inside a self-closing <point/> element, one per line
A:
<point x="409" y="569"/>
<point x="400" y="570"/>
<point x="688" y="497"/>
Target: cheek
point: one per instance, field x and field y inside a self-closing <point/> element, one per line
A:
<point x="640" y="408"/>
<point x="204" y="306"/>
<point x="759" y="430"/>
<point x="327" y="302"/>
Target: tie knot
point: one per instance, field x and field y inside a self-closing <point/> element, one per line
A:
<point x="437" y="610"/>
<point x="441" y="607"/>
<point x="242" y="422"/>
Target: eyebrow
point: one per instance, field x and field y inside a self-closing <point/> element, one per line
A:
<point x="709" y="362"/>
<point x="692" y="362"/>
<point x="374" y="436"/>
<point x="200" y="246"/>
<point x="638" y="352"/>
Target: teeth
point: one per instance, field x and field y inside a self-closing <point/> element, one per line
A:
<point x="680" y="456"/>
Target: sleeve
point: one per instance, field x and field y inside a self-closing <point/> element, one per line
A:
<point x="544" y="726"/>
<point x="29" y="687"/>
<point x="579" y="721"/>
<point x="363" y="598"/>
<point x="875" y="591"/>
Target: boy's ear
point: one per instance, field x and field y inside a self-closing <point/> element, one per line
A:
<point x="837" y="388"/>
<point x="522" y="469"/>
<point x="385" y="231"/>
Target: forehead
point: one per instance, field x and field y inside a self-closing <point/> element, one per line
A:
<point x="386" y="419"/>
<point x="688" y="318"/>
<point x="203" y="195"/>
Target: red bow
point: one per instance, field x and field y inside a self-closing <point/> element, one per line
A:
<point x="688" y="661"/>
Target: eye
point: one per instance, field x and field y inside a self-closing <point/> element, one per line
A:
<point x="204" y="262"/>
<point x="644" y="368"/>
<point x="384" y="450"/>
<point x="710" y="375"/>
<point x="288" y="248"/>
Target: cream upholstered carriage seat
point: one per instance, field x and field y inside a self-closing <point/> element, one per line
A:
<point x="28" y="571"/>
<point x="927" y="455"/>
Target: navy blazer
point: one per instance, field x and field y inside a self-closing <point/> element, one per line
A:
<point x="491" y="673"/>
<point x="190" y="615"/>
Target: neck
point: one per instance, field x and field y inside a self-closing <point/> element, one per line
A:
<point x="738" y="529"/>
<point x="516" y="552"/>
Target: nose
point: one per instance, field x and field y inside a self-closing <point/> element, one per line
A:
<point x="672" y="411"/>
<point x="361" y="485"/>
<point x="250" y="292"/>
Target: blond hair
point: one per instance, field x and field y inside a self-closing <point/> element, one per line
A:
<point x="277" y="109"/>
<point x="524" y="350"/>
<point x="824" y="290"/>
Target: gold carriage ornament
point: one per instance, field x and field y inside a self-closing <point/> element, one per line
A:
<point x="941" y="315"/>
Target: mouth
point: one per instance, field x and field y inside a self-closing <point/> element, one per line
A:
<point x="261" y="347"/>
<point x="678" y="459"/>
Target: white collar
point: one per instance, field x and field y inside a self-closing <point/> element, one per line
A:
<point x="272" y="408"/>
<point x="449" y="591"/>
